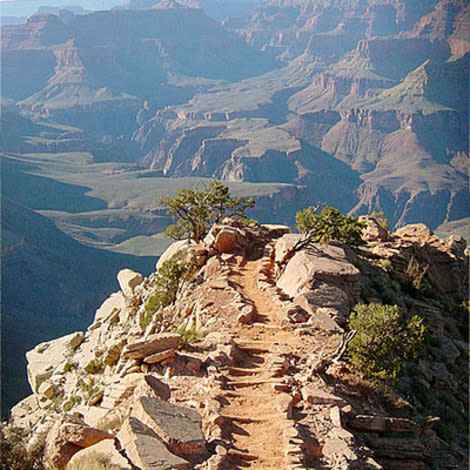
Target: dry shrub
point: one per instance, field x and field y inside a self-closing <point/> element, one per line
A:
<point x="14" y="453"/>
<point x="93" y="461"/>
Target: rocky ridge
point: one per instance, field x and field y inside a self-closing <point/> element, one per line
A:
<point x="267" y="385"/>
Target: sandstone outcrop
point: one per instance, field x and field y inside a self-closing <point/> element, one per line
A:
<point x="66" y="437"/>
<point x="128" y="281"/>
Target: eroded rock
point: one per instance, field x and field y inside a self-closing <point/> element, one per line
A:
<point x="66" y="437"/>
<point x="128" y="281"/>
<point x="152" y="345"/>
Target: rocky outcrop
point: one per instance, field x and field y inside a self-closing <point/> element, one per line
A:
<point x="45" y="357"/>
<point x="105" y="449"/>
<point x="67" y="437"/>
<point x="268" y="379"/>
<point x="320" y="277"/>
<point x="128" y="281"/>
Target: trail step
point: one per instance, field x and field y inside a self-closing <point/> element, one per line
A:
<point x="242" y="419"/>
<point x="241" y="455"/>
<point x="232" y="394"/>
<point x="240" y="371"/>
<point x="241" y="383"/>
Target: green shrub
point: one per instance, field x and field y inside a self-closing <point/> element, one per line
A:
<point x="168" y="281"/>
<point x="89" y="388"/>
<point x="73" y="401"/>
<point x="93" y="367"/>
<point x="147" y="317"/>
<point x="188" y="336"/>
<point x="197" y="209"/>
<point x="70" y="365"/>
<point x="383" y="341"/>
<point x="14" y="454"/>
<point x="330" y="225"/>
<point x="380" y="218"/>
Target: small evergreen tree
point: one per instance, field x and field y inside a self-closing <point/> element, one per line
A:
<point x="197" y="209"/>
<point x="383" y="341"/>
<point x="329" y="225"/>
<point x="168" y="281"/>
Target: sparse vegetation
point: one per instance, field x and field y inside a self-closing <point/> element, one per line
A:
<point x="89" y="388"/>
<point x="197" y="209"/>
<point x="93" y="461"/>
<point x="416" y="273"/>
<point x="93" y="367"/>
<point x="383" y="341"/>
<point x="329" y="225"/>
<point x="380" y="218"/>
<point x="15" y="454"/>
<point x="69" y="366"/>
<point x="73" y="401"/>
<point x="168" y="281"/>
<point x="188" y="336"/>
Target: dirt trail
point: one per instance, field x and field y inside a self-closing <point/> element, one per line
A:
<point x="256" y="409"/>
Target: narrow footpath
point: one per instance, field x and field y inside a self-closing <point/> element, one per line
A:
<point x="257" y="404"/>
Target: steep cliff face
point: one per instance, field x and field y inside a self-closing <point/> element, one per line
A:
<point x="286" y="28"/>
<point x="262" y="384"/>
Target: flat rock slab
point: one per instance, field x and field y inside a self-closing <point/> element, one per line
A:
<point x="382" y="424"/>
<point x="152" y="345"/>
<point x="315" y="396"/>
<point x="321" y="262"/>
<point x="146" y="450"/>
<point x="159" y="357"/>
<point x="179" y="427"/>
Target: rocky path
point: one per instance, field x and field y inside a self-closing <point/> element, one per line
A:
<point x="257" y="405"/>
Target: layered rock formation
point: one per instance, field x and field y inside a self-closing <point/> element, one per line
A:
<point x="382" y="88"/>
<point x="267" y="384"/>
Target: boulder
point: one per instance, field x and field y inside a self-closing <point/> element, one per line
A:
<point x="105" y="449"/>
<point x="66" y="437"/>
<point x="145" y="450"/>
<point x="321" y="277"/>
<point x="179" y="427"/>
<point x="152" y="345"/>
<point x="113" y="351"/>
<point x="415" y="231"/>
<point x="229" y="240"/>
<point x="45" y="357"/>
<point x="284" y="245"/>
<point x="373" y="231"/>
<point x="115" y="302"/>
<point x="323" y="262"/>
<point x="177" y="251"/>
<point x="47" y="389"/>
<point x="128" y="281"/>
